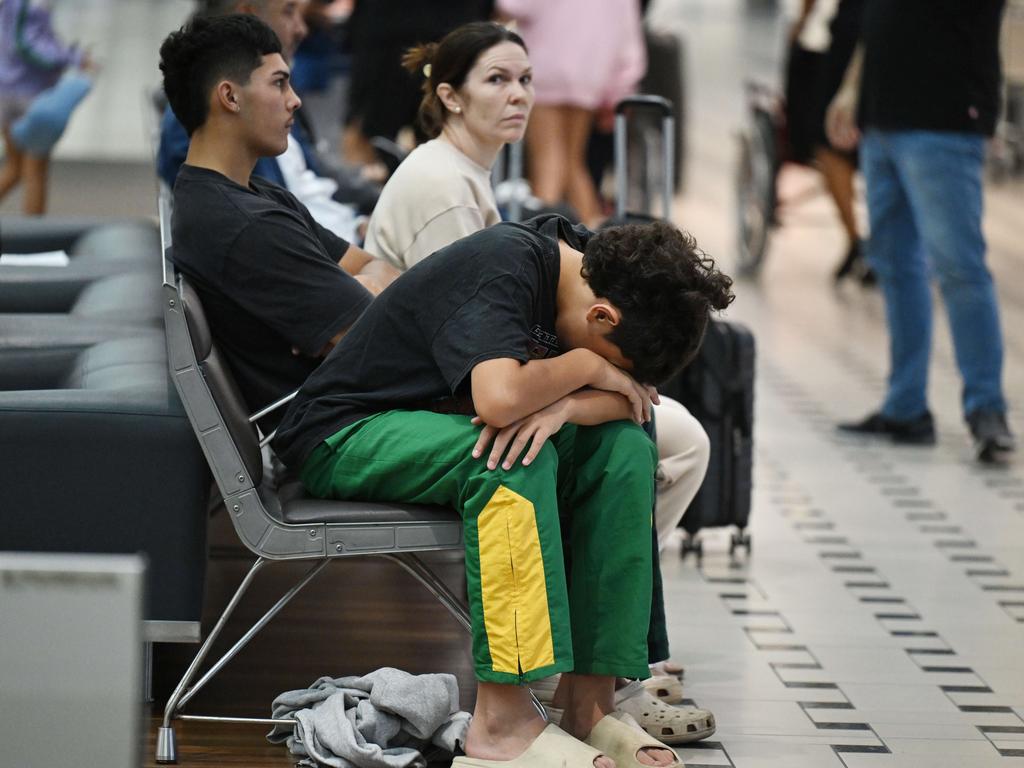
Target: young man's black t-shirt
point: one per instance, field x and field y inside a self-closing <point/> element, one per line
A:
<point x="268" y="277"/>
<point x="490" y="295"/>
<point x="931" y="65"/>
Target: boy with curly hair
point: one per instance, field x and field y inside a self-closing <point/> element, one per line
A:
<point x="506" y="376"/>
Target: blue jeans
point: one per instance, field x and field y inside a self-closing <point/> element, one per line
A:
<point x="924" y="191"/>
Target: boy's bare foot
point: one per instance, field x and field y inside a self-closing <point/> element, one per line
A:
<point x="585" y="700"/>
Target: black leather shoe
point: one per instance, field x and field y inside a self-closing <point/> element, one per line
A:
<point x="851" y="263"/>
<point x="918" y="431"/>
<point x="992" y="437"/>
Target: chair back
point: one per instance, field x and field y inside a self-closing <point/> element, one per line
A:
<point x="210" y="394"/>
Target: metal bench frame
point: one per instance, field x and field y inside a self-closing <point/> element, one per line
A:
<point x="257" y="513"/>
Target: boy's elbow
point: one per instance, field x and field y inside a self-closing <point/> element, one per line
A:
<point x="494" y="409"/>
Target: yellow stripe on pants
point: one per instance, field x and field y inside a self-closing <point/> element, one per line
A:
<point x="512" y="585"/>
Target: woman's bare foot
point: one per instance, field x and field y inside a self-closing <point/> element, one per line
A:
<point x="666" y="667"/>
<point x="585" y="699"/>
<point x="505" y="723"/>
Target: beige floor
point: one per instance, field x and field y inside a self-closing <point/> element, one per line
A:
<point x="880" y="618"/>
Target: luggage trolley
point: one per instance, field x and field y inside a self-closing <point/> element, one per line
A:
<point x="1006" y="158"/>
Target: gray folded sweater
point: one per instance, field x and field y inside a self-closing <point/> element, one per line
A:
<point x="382" y="720"/>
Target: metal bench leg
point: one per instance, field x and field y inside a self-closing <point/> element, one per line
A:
<point x="422" y="573"/>
<point x="166" y="748"/>
<point x="166" y="745"/>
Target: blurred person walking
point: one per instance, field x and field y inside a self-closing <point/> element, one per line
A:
<point x="822" y="43"/>
<point x="921" y="95"/>
<point x="32" y="61"/>
<point x="586" y="56"/>
<point x="384" y="97"/>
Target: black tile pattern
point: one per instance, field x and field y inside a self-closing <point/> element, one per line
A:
<point x="904" y="496"/>
<point x="768" y="630"/>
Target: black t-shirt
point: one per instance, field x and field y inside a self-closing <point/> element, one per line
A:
<point x="486" y="296"/>
<point x="268" y="277"/>
<point x="931" y="65"/>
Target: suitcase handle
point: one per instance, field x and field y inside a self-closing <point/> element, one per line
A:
<point x="645" y="101"/>
<point x="664" y="108"/>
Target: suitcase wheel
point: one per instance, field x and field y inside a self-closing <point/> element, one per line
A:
<point x="694" y="545"/>
<point x="737" y="540"/>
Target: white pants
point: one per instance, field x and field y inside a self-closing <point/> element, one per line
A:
<point x="683" y="452"/>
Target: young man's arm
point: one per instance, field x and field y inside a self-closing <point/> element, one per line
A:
<point x="505" y="390"/>
<point x="375" y="274"/>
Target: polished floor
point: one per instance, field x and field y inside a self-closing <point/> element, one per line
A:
<point x="879" y="620"/>
<point x="880" y="617"/>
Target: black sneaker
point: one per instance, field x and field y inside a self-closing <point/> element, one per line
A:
<point x="917" y="431"/>
<point x="992" y="438"/>
<point x="851" y="263"/>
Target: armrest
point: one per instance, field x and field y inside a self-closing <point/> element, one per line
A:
<point x="108" y="471"/>
<point x="33" y="233"/>
<point x="30" y="234"/>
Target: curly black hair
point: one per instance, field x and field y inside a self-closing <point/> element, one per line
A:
<point x="664" y="285"/>
<point x="207" y="50"/>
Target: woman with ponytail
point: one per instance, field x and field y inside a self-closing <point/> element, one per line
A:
<point x="477" y="97"/>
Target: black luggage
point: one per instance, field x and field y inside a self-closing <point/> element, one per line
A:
<point x="666" y="77"/>
<point x="718" y="386"/>
<point x="718" y="389"/>
<point x="635" y="197"/>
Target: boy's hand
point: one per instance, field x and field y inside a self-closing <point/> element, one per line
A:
<point x="535" y="429"/>
<point x="640" y="396"/>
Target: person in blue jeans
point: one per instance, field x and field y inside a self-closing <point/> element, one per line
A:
<point x="921" y="95"/>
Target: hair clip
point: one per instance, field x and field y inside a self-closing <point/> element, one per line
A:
<point x="426" y="71"/>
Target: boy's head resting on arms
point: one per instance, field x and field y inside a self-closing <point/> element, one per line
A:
<point x="660" y="289"/>
<point x="230" y="70"/>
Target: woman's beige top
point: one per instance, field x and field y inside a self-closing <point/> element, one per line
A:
<point x="436" y="196"/>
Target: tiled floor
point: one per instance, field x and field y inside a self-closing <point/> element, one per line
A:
<point x="880" y="618"/>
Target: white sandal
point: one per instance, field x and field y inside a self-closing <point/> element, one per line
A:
<point x="553" y="748"/>
<point x="672" y="725"/>
<point x="617" y="736"/>
<point x="668" y="688"/>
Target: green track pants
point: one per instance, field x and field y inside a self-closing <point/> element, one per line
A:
<point x="536" y="609"/>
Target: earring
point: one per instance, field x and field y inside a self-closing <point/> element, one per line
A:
<point x="457" y="110"/>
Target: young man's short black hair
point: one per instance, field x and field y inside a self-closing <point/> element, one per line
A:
<point x="206" y="51"/>
<point x="665" y="287"/>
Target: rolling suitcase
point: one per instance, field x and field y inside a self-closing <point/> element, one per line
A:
<point x="718" y="386"/>
<point x="718" y="389"/>
<point x="666" y="77"/>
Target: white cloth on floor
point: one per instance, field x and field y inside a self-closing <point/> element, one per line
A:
<point x="382" y="720"/>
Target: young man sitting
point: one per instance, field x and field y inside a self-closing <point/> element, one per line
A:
<point x="279" y="290"/>
<point x="514" y="394"/>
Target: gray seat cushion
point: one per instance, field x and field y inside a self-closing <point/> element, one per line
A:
<point x="299" y="508"/>
<point x="132" y="297"/>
